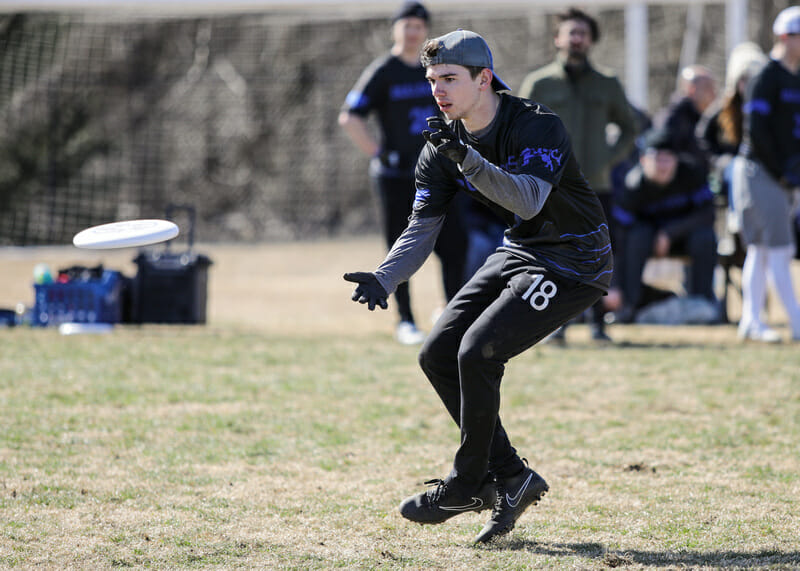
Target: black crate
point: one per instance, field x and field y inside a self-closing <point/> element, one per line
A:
<point x="170" y="288"/>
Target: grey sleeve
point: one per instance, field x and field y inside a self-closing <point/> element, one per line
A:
<point x="522" y="194"/>
<point x="409" y="252"/>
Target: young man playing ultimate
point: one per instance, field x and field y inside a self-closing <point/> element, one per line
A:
<point x="514" y="156"/>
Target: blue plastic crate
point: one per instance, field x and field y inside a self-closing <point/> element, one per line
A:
<point x="80" y="301"/>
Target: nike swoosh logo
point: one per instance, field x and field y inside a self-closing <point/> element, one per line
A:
<point x="515" y="500"/>
<point x="476" y="503"/>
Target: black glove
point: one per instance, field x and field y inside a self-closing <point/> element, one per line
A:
<point x="369" y="290"/>
<point x="445" y="140"/>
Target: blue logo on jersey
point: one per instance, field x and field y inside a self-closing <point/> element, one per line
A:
<point x="790" y="95"/>
<point x="420" y="197"/>
<point x="550" y="157"/>
<point x="357" y="100"/>
<point x="759" y="106"/>
<point x="409" y="91"/>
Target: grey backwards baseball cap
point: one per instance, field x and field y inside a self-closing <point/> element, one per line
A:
<point x="466" y="48"/>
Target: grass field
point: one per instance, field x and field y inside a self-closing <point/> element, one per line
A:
<point x="283" y="434"/>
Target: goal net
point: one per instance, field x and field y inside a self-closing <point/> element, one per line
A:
<point x="110" y="116"/>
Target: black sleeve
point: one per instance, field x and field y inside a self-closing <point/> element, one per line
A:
<point x="762" y="97"/>
<point x="368" y="92"/>
<point x="436" y="184"/>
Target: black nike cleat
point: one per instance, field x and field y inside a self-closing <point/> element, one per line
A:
<point x="440" y="503"/>
<point x="514" y="495"/>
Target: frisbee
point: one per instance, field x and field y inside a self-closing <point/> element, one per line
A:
<point x="125" y="234"/>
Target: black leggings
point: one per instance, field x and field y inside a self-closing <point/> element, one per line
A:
<point x="396" y="198"/>
<point x="505" y="308"/>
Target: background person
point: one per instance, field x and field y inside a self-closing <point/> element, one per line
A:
<point x="588" y="99"/>
<point x="514" y="156"/>
<point x="697" y="90"/>
<point x="721" y="128"/>
<point x="667" y="209"/>
<point x="765" y="174"/>
<point x="394" y="88"/>
<point x="722" y="125"/>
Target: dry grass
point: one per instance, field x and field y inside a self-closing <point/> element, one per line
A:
<point x="284" y="433"/>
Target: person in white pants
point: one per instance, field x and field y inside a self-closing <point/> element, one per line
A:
<point x="765" y="175"/>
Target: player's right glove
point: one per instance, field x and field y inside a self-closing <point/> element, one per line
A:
<point x="369" y="290"/>
<point x="445" y="140"/>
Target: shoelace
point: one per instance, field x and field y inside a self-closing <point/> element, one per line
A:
<point x="437" y="492"/>
<point x="500" y="494"/>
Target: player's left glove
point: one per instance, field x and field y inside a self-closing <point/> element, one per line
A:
<point x="445" y="140"/>
<point x="369" y="290"/>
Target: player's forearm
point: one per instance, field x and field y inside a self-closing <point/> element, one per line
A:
<point x="356" y="128"/>
<point x="522" y="194"/>
<point x="409" y="252"/>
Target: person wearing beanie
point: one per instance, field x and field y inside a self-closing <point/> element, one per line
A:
<point x="668" y="210"/>
<point x="394" y="89"/>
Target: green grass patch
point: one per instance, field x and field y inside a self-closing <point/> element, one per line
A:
<point x="217" y="447"/>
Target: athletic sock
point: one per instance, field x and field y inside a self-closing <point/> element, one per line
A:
<point x="779" y="263"/>
<point x="754" y="289"/>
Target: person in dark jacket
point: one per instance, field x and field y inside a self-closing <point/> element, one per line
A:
<point x="515" y="157"/>
<point x="697" y="90"/>
<point x="668" y="210"/>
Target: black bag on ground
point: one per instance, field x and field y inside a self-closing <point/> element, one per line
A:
<point x="171" y="287"/>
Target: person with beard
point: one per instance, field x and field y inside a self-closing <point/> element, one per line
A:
<point x="587" y="99"/>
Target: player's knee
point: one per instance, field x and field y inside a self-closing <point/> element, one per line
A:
<point x="474" y="355"/>
<point x="423" y="359"/>
<point x="428" y="356"/>
<point x="435" y="356"/>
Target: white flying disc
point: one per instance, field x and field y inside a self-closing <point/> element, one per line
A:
<point x="125" y="234"/>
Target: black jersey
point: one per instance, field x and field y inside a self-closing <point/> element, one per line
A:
<point x="569" y="235"/>
<point x="772" y="120"/>
<point x="400" y="96"/>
